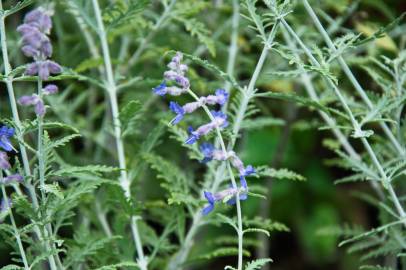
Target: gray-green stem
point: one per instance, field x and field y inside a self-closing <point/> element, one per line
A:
<point x="16" y="231"/>
<point x="357" y="129"/>
<point x="350" y="75"/>
<point x="112" y="91"/>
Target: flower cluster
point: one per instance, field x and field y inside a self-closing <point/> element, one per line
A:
<point x="5" y="144"/>
<point x="211" y="153"/>
<point x="36" y="101"/>
<point x="36" y="43"/>
<point x="180" y="84"/>
<point x="220" y="97"/>
<point x="175" y="74"/>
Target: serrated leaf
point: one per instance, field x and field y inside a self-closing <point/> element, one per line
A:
<point x="53" y="189"/>
<point x="17" y="7"/>
<point x="265" y="171"/>
<point x="257" y="264"/>
<point x="121" y="12"/>
<point x="92" y="169"/>
<point x="199" y="29"/>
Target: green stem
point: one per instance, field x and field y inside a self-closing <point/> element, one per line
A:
<point x="112" y="90"/>
<point x="41" y="170"/>
<point x="16" y="231"/>
<point x="350" y="75"/>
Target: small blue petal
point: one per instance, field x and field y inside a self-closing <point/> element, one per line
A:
<point x="231" y="201"/>
<point x="209" y="197"/>
<point x="243" y="182"/>
<point x="160" y="89"/>
<point x="207" y="209"/>
<point x="249" y="170"/>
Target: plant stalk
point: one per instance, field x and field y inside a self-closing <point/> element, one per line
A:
<point x="16" y="231"/>
<point x="112" y="91"/>
<point x="350" y="75"/>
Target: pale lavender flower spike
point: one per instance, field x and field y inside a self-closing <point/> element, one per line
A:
<point x="176" y="74"/>
<point x="36" y="44"/>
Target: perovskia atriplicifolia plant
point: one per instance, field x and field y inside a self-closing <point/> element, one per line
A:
<point x="148" y="135"/>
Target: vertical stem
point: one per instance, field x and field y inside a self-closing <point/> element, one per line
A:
<point x="350" y="75"/>
<point x="17" y="123"/>
<point x="385" y="181"/>
<point x="112" y="90"/>
<point x="41" y="171"/>
<point x="233" y="183"/>
<point x="233" y="48"/>
<point x="16" y="231"/>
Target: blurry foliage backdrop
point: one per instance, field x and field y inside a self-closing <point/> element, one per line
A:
<point x="293" y="140"/>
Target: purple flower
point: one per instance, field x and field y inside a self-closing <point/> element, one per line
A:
<point x="210" y="199"/>
<point x="36" y="44"/>
<point x="5" y="134"/>
<point x="13" y="178"/>
<point x="43" y="69"/>
<point x="220" y="120"/>
<point x="220" y="97"/>
<point x="228" y="194"/>
<point x="249" y="170"/>
<point x="180" y="112"/>
<point x="5" y="205"/>
<point x="40" y="19"/>
<point x="207" y="150"/>
<point x="4" y="163"/>
<point x="161" y="89"/>
<point x="35" y="100"/>
<point x="50" y="89"/>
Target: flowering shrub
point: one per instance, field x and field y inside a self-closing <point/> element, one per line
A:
<point x="96" y="172"/>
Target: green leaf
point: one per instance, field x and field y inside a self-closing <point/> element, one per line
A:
<point x="257" y="264"/>
<point x="53" y="189"/>
<point x="17" y="7"/>
<point x="130" y="117"/>
<point x="296" y="99"/>
<point x="265" y="171"/>
<point x="12" y="267"/>
<point x="92" y="169"/>
<point x="257" y="230"/>
<point x="199" y="29"/>
<point x="227" y="220"/>
<point x="261" y="122"/>
<point x="213" y="68"/>
<point x="122" y="265"/>
<point x="122" y="12"/>
<point x="221" y="252"/>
